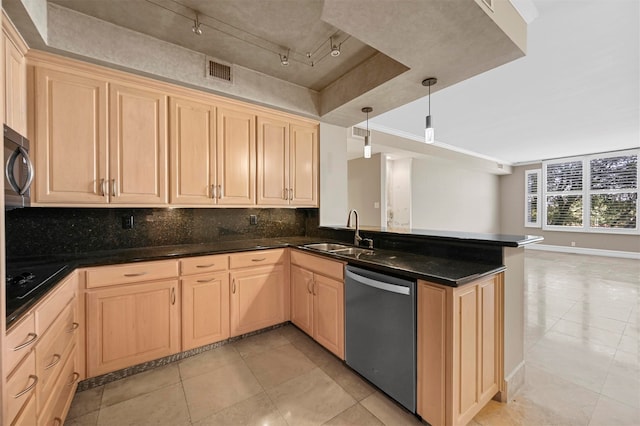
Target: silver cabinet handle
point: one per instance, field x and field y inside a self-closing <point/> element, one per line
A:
<point x="285" y="194"/>
<point x="11" y="165"/>
<point x="114" y="188"/>
<point x="73" y="328"/>
<point x="56" y="359"/>
<point x="138" y="274"/>
<point x="34" y="336"/>
<point x="103" y="187"/>
<point x="173" y="295"/>
<point x="233" y="286"/>
<point x="308" y="286"/>
<point x="259" y="260"/>
<point x="219" y="192"/>
<point x="74" y="377"/>
<point x="206" y="266"/>
<point x="206" y="281"/>
<point x="213" y="192"/>
<point x="313" y="287"/>
<point x="28" y="388"/>
<point x="291" y="193"/>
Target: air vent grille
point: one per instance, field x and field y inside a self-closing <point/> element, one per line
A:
<point x="219" y="71"/>
<point x="358" y="132"/>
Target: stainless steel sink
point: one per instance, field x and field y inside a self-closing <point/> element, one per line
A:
<point x="353" y="250"/>
<point x="327" y="246"/>
<point x="340" y="249"/>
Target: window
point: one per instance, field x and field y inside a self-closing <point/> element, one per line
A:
<point x="532" y="199"/>
<point x="591" y="194"/>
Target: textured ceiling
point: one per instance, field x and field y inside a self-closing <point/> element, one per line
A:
<point x="250" y="33"/>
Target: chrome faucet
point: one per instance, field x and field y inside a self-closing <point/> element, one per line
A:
<point x="356" y="238"/>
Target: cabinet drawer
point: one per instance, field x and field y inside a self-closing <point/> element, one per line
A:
<point x="202" y="264"/>
<point x="321" y="265"/>
<point x="50" y="308"/>
<point x="20" y="340"/>
<point x="20" y="386"/>
<point x="28" y="415"/>
<point x="51" y="353"/>
<point x="256" y="258"/>
<point x="56" y="407"/>
<point x="130" y="273"/>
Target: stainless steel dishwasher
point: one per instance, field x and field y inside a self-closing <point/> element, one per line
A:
<point x="380" y="335"/>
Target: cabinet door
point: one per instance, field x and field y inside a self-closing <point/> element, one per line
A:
<point x="70" y="138"/>
<point x="15" y="86"/>
<point x="303" y="160"/>
<point x="257" y="298"/>
<point x="236" y="166"/>
<point x="130" y="324"/>
<point x="273" y="161"/>
<point x="302" y="299"/>
<point x="138" y="146"/>
<point x="193" y="152"/>
<point x="328" y="314"/>
<point x="205" y="309"/>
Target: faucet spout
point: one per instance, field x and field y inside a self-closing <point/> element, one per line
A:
<point x="356" y="238"/>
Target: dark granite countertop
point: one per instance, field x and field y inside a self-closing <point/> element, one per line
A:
<point x="502" y="240"/>
<point x="440" y="270"/>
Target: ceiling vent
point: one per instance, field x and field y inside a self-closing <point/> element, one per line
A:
<point x="218" y="70"/>
<point x="358" y="132"/>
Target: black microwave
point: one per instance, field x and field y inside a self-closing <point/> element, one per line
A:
<point x="18" y="170"/>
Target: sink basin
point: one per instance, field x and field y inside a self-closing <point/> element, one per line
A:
<point x="327" y="246"/>
<point x="353" y="250"/>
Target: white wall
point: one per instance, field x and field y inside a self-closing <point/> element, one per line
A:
<point x="446" y="196"/>
<point x="365" y="189"/>
<point x="398" y="186"/>
<point x="333" y="175"/>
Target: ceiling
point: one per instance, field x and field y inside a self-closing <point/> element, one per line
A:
<point x="247" y="32"/>
<point x="576" y="92"/>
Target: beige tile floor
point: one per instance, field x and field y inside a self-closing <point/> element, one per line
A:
<point x="581" y="352"/>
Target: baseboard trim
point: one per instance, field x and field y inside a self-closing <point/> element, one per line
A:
<point x="583" y="250"/>
<point x="512" y="384"/>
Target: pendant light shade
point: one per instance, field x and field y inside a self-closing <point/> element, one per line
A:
<point x="367" y="137"/>
<point x="429" y="134"/>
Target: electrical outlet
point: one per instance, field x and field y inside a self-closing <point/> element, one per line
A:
<point x="253" y="219"/>
<point x="573" y="243"/>
<point x="127" y="222"/>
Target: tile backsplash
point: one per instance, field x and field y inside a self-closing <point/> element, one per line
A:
<point x="41" y="231"/>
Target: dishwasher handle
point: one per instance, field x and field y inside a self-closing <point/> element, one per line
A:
<point x="379" y="284"/>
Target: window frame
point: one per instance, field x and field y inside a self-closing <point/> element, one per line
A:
<point x="586" y="192"/>
<point x="537" y="194"/>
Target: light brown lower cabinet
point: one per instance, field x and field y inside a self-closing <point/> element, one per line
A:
<point x="130" y="324"/>
<point x="460" y="349"/>
<point x="205" y="309"/>
<point x="317" y="300"/>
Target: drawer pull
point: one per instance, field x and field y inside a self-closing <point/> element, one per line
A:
<point x="56" y="359"/>
<point x="28" y="388"/>
<point x="73" y="328"/>
<point x="34" y="336"/>
<point x="233" y="286"/>
<point x="207" y="281"/>
<point x="173" y="295"/>
<point x="57" y="421"/>
<point x="74" y="378"/>
<point x="259" y="260"/>
<point x="206" y="266"/>
<point x="308" y="286"/>
<point x="138" y="274"/>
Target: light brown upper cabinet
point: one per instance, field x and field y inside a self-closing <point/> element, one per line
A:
<point x="138" y="146"/>
<point x="287" y="163"/>
<point x="213" y="154"/>
<point x="15" y="78"/>
<point x="70" y="138"/>
<point x="77" y="163"/>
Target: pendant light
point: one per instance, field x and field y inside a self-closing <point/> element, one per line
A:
<point x="197" y="26"/>
<point x="367" y="137"/>
<point x="429" y="135"/>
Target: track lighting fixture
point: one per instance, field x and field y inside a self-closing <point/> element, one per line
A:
<point x="367" y="137"/>
<point x="197" y="26"/>
<point x="335" y="47"/>
<point x="284" y="59"/>
<point x="429" y="135"/>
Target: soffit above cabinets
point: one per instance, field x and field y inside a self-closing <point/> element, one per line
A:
<point x="386" y="47"/>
